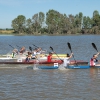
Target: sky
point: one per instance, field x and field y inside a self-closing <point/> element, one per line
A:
<point x="10" y="9"/>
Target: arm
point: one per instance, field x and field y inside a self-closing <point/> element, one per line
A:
<point x="98" y="53"/>
<point x="71" y="55"/>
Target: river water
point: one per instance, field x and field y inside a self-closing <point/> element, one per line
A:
<point x="19" y="83"/>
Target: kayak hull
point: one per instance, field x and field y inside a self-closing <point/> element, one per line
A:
<point x="95" y="66"/>
<point x="78" y="67"/>
<point x="48" y="67"/>
<point x="40" y="61"/>
<point x="44" y="66"/>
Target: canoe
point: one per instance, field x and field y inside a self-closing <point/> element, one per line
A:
<point x="78" y="67"/>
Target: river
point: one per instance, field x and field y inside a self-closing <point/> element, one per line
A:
<point x="19" y="83"/>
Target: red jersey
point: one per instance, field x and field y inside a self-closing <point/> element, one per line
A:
<point x="49" y="57"/>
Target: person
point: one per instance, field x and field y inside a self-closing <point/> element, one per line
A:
<point x="94" y="61"/>
<point x="39" y="50"/>
<point x="22" y="50"/>
<point x="49" y="57"/>
<point x="29" y="56"/>
<point x="14" y="53"/>
<point x="66" y="60"/>
<point x="34" y="53"/>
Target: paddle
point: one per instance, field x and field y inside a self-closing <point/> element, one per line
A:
<point x="18" y="46"/>
<point x="69" y="46"/>
<point x="39" y="47"/>
<point x="30" y="48"/>
<point x="94" y="47"/>
<point x="11" y="46"/>
<point x="55" y="53"/>
<point x="35" y="46"/>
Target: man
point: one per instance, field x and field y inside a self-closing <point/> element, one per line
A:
<point x="49" y="57"/>
<point x="67" y="60"/>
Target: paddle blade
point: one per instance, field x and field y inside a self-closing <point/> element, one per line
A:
<point x="94" y="47"/>
<point x="51" y="48"/>
<point x="35" y="46"/>
<point x="69" y="46"/>
<point x="30" y="48"/>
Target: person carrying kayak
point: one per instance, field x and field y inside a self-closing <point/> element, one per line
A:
<point x="94" y="61"/>
<point x="66" y="60"/>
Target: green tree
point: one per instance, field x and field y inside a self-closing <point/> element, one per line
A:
<point x="55" y="22"/>
<point x="96" y="22"/>
<point x="87" y="22"/>
<point x="35" y="22"/>
<point x="18" y="24"/>
<point x="96" y="18"/>
<point x="29" y="26"/>
<point x="41" y="18"/>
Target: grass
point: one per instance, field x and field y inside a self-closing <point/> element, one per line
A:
<point x="6" y="31"/>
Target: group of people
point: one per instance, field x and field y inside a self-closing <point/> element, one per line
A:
<point x="16" y="51"/>
<point x="66" y="61"/>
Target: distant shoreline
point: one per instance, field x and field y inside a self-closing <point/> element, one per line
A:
<point x="11" y="32"/>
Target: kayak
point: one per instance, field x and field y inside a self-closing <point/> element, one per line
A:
<point x="20" y="59"/>
<point x="40" y="56"/>
<point x="47" y="66"/>
<point x="44" y="66"/>
<point x="34" y="61"/>
<point x="78" y="67"/>
<point x="95" y="66"/>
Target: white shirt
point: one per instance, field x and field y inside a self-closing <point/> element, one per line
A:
<point x="66" y="62"/>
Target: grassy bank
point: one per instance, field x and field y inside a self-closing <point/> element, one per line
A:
<point x="6" y="32"/>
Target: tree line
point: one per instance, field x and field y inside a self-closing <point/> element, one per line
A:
<point x="55" y="23"/>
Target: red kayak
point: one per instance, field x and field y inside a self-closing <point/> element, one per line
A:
<point x="32" y="61"/>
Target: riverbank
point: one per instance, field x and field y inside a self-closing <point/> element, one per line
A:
<point x="11" y="32"/>
<point x="7" y="32"/>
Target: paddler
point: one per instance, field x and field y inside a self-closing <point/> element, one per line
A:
<point x="22" y="50"/>
<point x="49" y="57"/>
<point x="94" y="61"/>
<point x="67" y="59"/>
<point x="14" y="53"/>
<point x="29" y="57"/>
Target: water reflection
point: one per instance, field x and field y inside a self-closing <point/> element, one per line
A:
<point x="95" y="72"/>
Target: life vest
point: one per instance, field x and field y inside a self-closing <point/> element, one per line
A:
<point x="49" y="57"/>
<point x="93" y="62"/>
